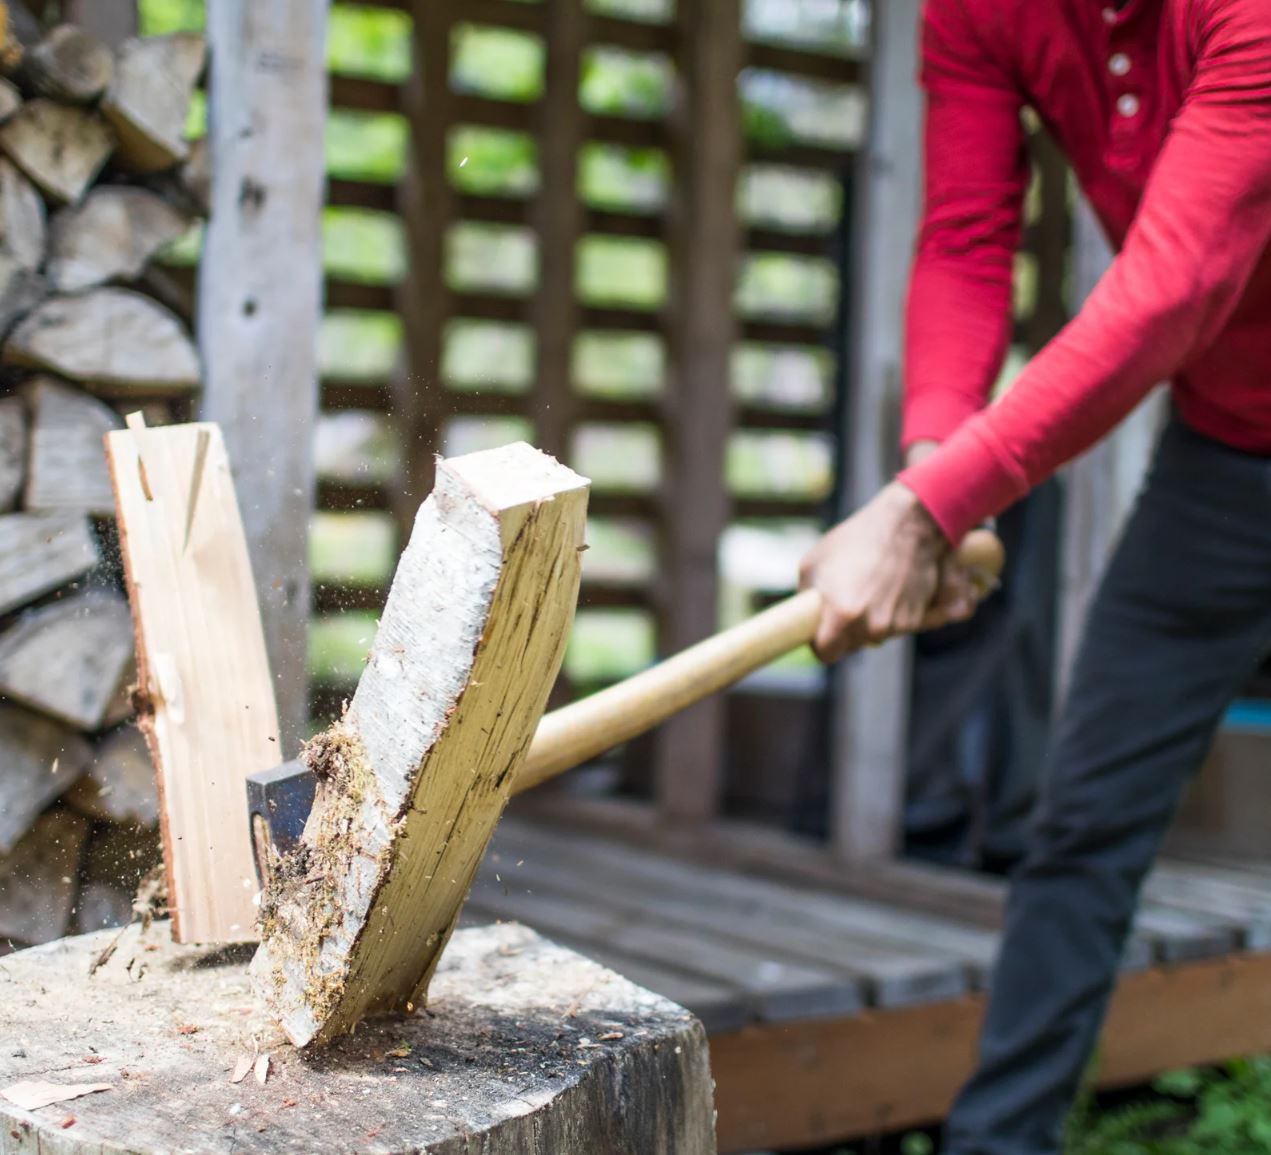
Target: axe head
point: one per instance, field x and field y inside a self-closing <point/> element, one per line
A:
<point x="278" y="805"/>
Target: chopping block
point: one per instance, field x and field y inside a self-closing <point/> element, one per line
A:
<point x="527" y="1049"/>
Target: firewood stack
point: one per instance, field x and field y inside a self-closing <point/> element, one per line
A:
<point x="96" y="179"/>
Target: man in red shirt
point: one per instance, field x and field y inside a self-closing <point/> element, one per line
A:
<point x="1164" y="109"/>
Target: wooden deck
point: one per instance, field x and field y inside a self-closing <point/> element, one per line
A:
<point x="838" y="1013"/>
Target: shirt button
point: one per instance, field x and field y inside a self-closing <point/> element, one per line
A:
<point x="1128" y="105"/>
<point x="1109" y="15"/>
<point x="1119" y="64"/>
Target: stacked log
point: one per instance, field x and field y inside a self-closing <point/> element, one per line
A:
<point x="96" y="180"/>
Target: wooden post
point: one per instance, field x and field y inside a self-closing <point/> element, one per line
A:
<point x="705" y="244"/>
<point x="427" y="209"/>
<point x="260" y="298"/>
<point x="558" y="221"/>
<point x="1100" y="486"/>
<point x="871" y="690"/>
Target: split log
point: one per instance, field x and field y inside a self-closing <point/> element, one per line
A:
<point x="68" y="659"/>
<point x="531" y="1050"/>
<point x="41" y="551"/>
<point x="110" y="236"/>
<point x="13" y="437"/>
<point x="149" y="99"/>
<point x="10" y="99"/>
<point x="41" y="760"/>
<point x="414" y="777"/>
<point x="68" y="65"/>
<point x="22" y="231"/>
<point x="61" y="148"/>
<point x="99" y="906"/>
<point x="114" y="341"/>
<point x="38" y="879"/>
<point x="66" y="468"/>
<point x="203" y="671"/>
<point x="119" y="784"/>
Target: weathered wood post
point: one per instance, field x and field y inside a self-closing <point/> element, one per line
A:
<point x="527" y="1049"/>
<point x="260" y="297"/>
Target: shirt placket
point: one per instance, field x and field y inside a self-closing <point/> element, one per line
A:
<point x="1124" y="76"/>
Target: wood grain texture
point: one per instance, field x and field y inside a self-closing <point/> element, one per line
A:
<point x="62" y="149"/>
<point x="698" y="405"/>
<point x="13" y="441"/>
<point x="41" y="760"/>
<point x="38" y="878"/>
<point x="119" y="343"/>
<point x="259" y="293"/>
<point x="868" y="754"/>
<point x="70" y="658"/>
<point x="66" y="467"/>
<point x="119" y="785"/>
<point x="824" y="1082"/>
<point x="111" y="235"/>
<point x="530" y="1050"/>
<point x="201" y="665"/>
<point x="41" y="551"/>
<point x="149" y="98"/>
<point x="413" y="779"/>
<point x="22" y="224"/>
<point x="68" y="64"/>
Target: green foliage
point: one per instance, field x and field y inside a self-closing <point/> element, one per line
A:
<point x="1215" y="1112"/>
<point x="159" y="17"/>
<point x="622" y="83"/>
<point x="497" y="62"/>
<point x="372" y="42"/>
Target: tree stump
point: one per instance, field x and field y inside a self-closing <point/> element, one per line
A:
<point x="526" y="1049"/>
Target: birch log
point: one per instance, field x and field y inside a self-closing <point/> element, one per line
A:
<point x="66" y="467"/>
<point x="413" y="779"/>
<point x="111" y="236"/>
<point x="115" y="341"/>
<point x="68" y="659"/>
<point x="149" y="99"/>
<point x="41" y="759"/>
<point x="61" y="149"/>
<point x="41" y="551"/>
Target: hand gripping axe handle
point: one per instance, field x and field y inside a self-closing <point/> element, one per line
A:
<point x="279" y="800"/>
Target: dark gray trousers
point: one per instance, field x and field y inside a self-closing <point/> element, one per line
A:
<point x="1180" y="623"/>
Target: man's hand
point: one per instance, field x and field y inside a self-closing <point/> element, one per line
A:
<point x="878" y="574"/>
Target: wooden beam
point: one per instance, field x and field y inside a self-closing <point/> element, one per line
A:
<point x="202" y="670"/>
<point x="260" y="298"/>
<point x="824" y="1081"/>
<point x="413" y="778"/>
<point x="871" y="689"/>
<point x="427" y="209"/>
<point x="557" y="216"/>
<point x="705" y="242"/>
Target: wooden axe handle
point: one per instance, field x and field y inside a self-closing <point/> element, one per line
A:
<point x="576" y="733"/>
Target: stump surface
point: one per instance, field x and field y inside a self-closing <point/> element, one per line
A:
<point x="526" y="1048"/>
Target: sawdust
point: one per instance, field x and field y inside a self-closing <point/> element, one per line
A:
<point x="300" y="907"/>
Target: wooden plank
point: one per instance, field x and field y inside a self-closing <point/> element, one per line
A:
<point x="803" y="62"/>
<point x="869" y="741"/>
<point x="823" y="1082"/>
<point x="41" y="759"/>
<point x="887" y="974"/>
<point x="70" y="659"/>
<point x="705" y="241"/>
<point x="41" y="551"/>
<point x="209" y="712"/>
<point x="260" y="293"/>
<point x="66" y="469"/>
<point x="427" y="208"/>
<point x="557" y="216"/>
<point x="415" y="775"/>
<point x="775" y="987"/>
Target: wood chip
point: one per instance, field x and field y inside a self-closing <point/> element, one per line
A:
<point x="262" y="1069"/>
<point x="241" y="1068"/>
<point x="33" y="1095"/>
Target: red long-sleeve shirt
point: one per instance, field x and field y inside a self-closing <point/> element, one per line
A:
<point x="1164" y="109"/>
